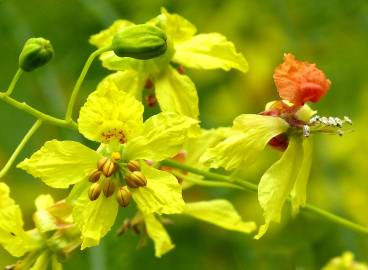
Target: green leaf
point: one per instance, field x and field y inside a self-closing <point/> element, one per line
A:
<point x="251" y="133"/>
<point x="176" y="93"/>
<point x="209" y="51"/>
<point x="60" y="164"/>
<point x="162" y="136"/>
<point x="220" y="213"/>
<point x="162" y="195"/>
<point x="277" y="182"/>
<point x="94" y="218"/>
<point x="158" y="234"/>
<point x="299" y="191"/>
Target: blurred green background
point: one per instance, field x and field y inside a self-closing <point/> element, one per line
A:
<point x="333" y="34"/>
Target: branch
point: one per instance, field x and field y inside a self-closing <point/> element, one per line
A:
<point x="21" y="145"/>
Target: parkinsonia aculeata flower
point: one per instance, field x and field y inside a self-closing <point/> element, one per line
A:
<point x="175" y="92"/>
<point x="287" y="126"/>
<point x="49" y="243"/>
<point x="117" y="171"/>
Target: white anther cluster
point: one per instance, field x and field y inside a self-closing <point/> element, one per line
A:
<point x="326" y="124"/>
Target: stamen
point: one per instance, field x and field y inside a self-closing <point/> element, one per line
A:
<point x="94" y="176"/>
<point x="136" y="179"/>
<point x="94" y="191"/>
<point x="109" y="168"/>
<point x="123" y="196"/>
<point x="134" y="165"/>
<point x="108" y="188"/>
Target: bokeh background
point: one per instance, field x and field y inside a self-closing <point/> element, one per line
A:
<point x="331" y="33"/>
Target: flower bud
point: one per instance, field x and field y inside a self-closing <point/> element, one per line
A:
<point x="134" y="165"/>
<point x="94" y="176"/>
<point x="94" y="191"/>
<point x="109" y="168"/>
<point x="141" y="41"/>
<point x="108" y="188"/>
<point x="136" y="179"/>
<point x="36" y="53"/>
<point x="123" y="196"/>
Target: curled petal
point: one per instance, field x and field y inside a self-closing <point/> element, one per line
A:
<point x="300" y="82"/>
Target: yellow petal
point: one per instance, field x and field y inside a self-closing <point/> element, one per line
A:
<point x="220" y="213"/>
<point x="162" y="136"/>
<point x="110" y="114"/>
<point x="299" y="191"/>
<point x="162" y="195"/>
<point x="251" y="133"/>
<point x="94" y="218"/>
<point x="209" y="51"/>
<point x="12" y="236"/>
<point x="158" y="234"/>
<point x="277" y="182"/>
<point x="104" y="38"/>
<point x="60" y="164"/>
<point x="130" y="81"/>
<point x="176" y="93"/>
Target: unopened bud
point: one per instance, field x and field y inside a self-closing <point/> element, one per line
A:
<point x="109" y="168"/>
<point x="36" y="53"/>
<point x="123" y="196"/>
<point x="134" y="165"/>
<point x="94" y="191"/>
<point x="108" y="188"/>
<point x="136" y="179"/>
<point x="94" y="176"/>
<point x="141" y="41"/>
<point x="101" y="163"/>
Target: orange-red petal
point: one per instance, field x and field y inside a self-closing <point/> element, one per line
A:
<point x="300" y="82"/>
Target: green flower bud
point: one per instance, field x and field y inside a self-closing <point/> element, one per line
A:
<point x="36" y="53"/>
<point x="141" y="41"/>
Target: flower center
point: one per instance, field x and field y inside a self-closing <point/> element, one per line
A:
<point x="114" y="133"/>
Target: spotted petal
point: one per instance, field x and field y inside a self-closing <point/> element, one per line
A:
<point x="110" y="114"/>
<point x="162" y="195"/>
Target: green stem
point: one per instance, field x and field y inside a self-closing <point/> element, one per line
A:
<point x="40" y="115"/>
<point x="78" y="84"/>
<point x="21" y="145"/>
<point x="207" y="183"/>
<point x="14" y="82"/>
<point x="254" y="188"/>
